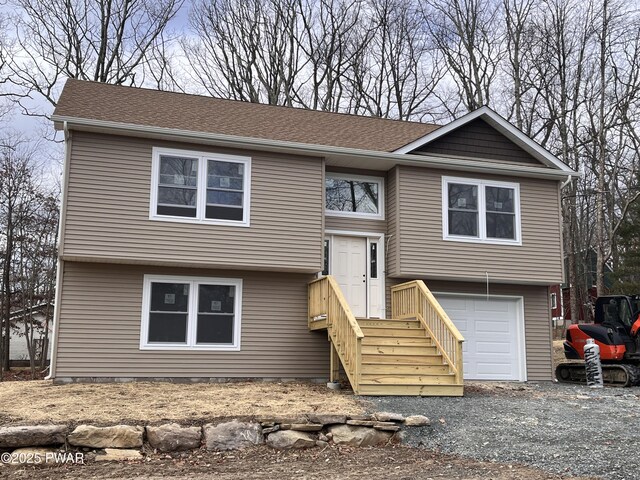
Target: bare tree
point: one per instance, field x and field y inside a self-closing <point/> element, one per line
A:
<point x="245" y="50"/>
<point x="35" y="259"/>
<point x="99" y="40"/>
<point x="332" y="35"/>
<point x="17" y="193"/>
<point x="468" y="33"/>
<point x="517" y="17"/>
<point x="398" y="72"/>
<point x="612" y="129"/>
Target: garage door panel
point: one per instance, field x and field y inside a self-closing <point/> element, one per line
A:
<point x="489" y="306"/>
<point x="493" y="371"/>
<point x="492" y="349"/>
<point x="487" y="327"/>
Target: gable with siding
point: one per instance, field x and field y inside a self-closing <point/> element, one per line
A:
<point x="478" y="139"/>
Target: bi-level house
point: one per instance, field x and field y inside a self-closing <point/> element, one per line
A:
<point x="204" y="238"/>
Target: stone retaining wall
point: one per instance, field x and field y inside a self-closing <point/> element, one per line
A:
<point x="126" y="441"/>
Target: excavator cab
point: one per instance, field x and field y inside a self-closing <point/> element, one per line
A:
<point x="618" y="314"/>
<point x="615" y="312"/>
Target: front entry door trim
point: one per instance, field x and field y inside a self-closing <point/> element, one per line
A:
<point x="376" y="305"/>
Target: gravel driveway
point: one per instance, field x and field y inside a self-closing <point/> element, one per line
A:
<point x="558" y="428"/>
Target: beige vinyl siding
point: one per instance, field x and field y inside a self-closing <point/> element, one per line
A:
<point x="107" y="217"/>
<point x="537" y="317"/>
<point x="100" y="318"/>
<point x="392" y="264"/>
<point x="424" y="253"/>
<point x="354" y="224"/>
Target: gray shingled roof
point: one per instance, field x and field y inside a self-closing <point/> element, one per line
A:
<point x="153" y="108"/>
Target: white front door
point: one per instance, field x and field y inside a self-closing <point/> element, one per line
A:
<point x="349" y="268"/>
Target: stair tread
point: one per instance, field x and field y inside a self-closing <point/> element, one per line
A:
<point x="389" y="323"/>
<point x="382" y="328"/>
<point x="392" y="359"/>
<point x="451" y="390"/>
<point x="397" y="341"/>
<point x="397" y="363"/>
<point x="397" y="333"/>
<point x="398" y="349"/>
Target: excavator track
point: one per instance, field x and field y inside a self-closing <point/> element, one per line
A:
<point x="618" y="375"/>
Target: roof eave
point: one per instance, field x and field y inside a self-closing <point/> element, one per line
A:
<point x="392" y="158"/>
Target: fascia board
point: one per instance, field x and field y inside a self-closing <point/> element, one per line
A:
<point x="393" y="158"/>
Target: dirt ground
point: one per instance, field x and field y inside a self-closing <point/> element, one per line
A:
<point x="21" y="374"/>
<point x="149" y="402"/>
<point x="336" y="463"/>
<point x="558" y="353"/>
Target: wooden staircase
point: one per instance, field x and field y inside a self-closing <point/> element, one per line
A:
<point x="399" y="358"/>
<point x="419" y="352"/>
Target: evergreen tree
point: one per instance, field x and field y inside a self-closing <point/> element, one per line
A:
<point x="626" y="277"/>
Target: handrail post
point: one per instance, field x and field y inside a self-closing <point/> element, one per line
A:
<point x="358" y="366"/>
<point x="459" y="365"/>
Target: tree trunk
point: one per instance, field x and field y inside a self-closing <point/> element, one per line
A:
<point x="5" y="331"/>
<point x="600" y="194"/>
<point x="569" y="235"/>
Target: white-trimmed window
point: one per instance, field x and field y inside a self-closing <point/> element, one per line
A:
<point x="190" y="313"/>
<point x="200" y="187"/>
<point x="481" y="211"/>
<point x="354" y="196"/>
<point x="554" y="301"/>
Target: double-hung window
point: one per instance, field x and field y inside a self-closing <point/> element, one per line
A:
<point x="190" y="313"/>
<point x="200" y="187"/>
<point x="481" y="211"/>
<point x="354" y="196"/>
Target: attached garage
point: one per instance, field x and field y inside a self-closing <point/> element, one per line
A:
<point x="493" y="329"/>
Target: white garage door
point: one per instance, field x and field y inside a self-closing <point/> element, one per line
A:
<point x="493" y="331"/>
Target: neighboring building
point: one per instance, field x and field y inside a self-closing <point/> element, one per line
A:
<point x="18" y="351"/>
<point x="191" y="227"/>
<point x="587" y="266"/>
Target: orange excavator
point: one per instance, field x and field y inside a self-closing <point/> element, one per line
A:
<point x="616" y="331"/>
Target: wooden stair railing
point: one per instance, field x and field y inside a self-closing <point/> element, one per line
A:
<point x="327" y="303"/>
<point x="414" y="300"/>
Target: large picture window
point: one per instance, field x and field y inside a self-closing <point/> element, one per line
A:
<point x="191" y="313"/>
<point x="354" y="195"/>
<point x="200" y="187"/>
<point x="481" y="211"/>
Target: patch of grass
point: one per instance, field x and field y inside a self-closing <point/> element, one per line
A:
<point x="154" y="402"/>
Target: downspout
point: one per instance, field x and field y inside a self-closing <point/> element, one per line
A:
<point x="60" y="263"/>
<point x="562" y="239"/>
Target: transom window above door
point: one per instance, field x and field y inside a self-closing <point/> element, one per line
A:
<point x="481" y="211"/>
<point x="200" y="187"/>
<point x="354" y="196"/>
